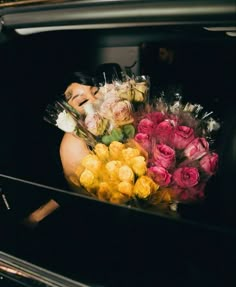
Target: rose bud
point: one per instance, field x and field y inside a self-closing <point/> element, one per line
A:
<point x="186" y="177"/>
<point x="139" y="165"/>
<point x="196" y="149"/>
<point x="124" y="91"/>
<point x="209" y="163"/>
<point x="140" y="91"/>
<point x="164" y="131"/>
<point x="125" y="173"/>
<point x="182" y="137"/>
<point x="88" y="180"/>
<point x="92" y="163"/>
<point x="160" y="175"/>
<point x="112" y="168"/>
<point x="115" y="149"/>
<point x="164" y="156"/>
<point x="95" y="124"/>
<point x="104" y="191"/>
<point x="143" y="140"/>
<point x="146" y="126"/>
<point x="118" y="198"/>
<point x="125" y="188"/>
<point x="129" y="153"/>
<point x="144" y="186"/>
<point x="102" y="152"/>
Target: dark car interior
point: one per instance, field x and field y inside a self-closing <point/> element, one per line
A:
<point x="99" y="244"/>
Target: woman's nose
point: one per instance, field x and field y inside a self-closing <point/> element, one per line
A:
<point x="91" y="97"/>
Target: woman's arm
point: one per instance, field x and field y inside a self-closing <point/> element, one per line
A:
<point x="72" y="151"/>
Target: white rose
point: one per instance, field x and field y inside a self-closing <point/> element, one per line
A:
<point x="65" y="122"/>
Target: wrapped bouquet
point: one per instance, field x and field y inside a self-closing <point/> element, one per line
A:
<point x="144" y="157"/>
<point x="177" y="138"/>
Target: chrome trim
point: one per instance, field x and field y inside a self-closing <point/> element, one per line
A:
<point x="19" y="270"/>
<point x="121" y="12"/>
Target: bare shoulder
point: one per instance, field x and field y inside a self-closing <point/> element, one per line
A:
<point x="72" y="151"/>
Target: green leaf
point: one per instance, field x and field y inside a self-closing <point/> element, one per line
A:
<point x="106" y="139"/>
<point x="129" y="131"/>
<point x="117" y="134"/>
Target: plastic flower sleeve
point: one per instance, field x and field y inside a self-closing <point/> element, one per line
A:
<point x="63" y="116"/>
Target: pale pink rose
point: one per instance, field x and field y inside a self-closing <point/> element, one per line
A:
<point x="106" y="107"/>
<point x="164" y="156"/>
<point x="182" y="136"/>
<point x="95" y="124"/>
<point x="156" y="117"/>
<point x="160" y="175"/>
<point x="122" y="113"/>
<point x="196" y="149"/>
<point x="186" y="177"/>
<point x="146" y="126"/>
<point x="163" y="131"/>
<point x="209" y="163"/>
<point x="143" y="140"/>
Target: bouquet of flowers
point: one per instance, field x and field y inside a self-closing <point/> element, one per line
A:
<point x="141" y="157"/>
<point x="109" y="118"/>
<point x="177" y="139"/>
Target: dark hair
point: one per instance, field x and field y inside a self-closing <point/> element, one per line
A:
<point x="80" y="78"/>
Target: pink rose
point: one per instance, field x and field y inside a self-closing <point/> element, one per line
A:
<point x="164" y="156"/>
<point x="146" y="126"/>
<point x="189" y="194"/>
<point x="143" y="140"/>
<point x="160" y="175"/>
<point x="163" y="131"/>
<point x="186" y="177"/>
<point x="182" y="136"/>
<point x="196" y="149"/>
<point x="174" y="119"/>
<point x="156" y="117"/>
<point x="209" y="163"/>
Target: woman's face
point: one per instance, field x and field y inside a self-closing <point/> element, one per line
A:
<point x="77" y="95"/>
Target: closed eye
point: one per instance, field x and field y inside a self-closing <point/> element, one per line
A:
<point x="80" y="104"/>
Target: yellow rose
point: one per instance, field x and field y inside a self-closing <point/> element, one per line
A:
<point x="139" y="165"/>
<point x="140" y="92"/>
<point x="126" y="188"/>
<point x="118" y="198"/>
<point x="92" y="163"/>
<point x="161" y="195"/>
<point x="88" y="180"/>
<point x="115" y="149"/>
<point x="112" y="168"/>
<point x="104" y="191"/>
<point x="126" y="174"/>
<point x="102" y="152"/>
<point x="124" y="91"/>
<point x="144" y="186"/>
<point x="130" y="153"/>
